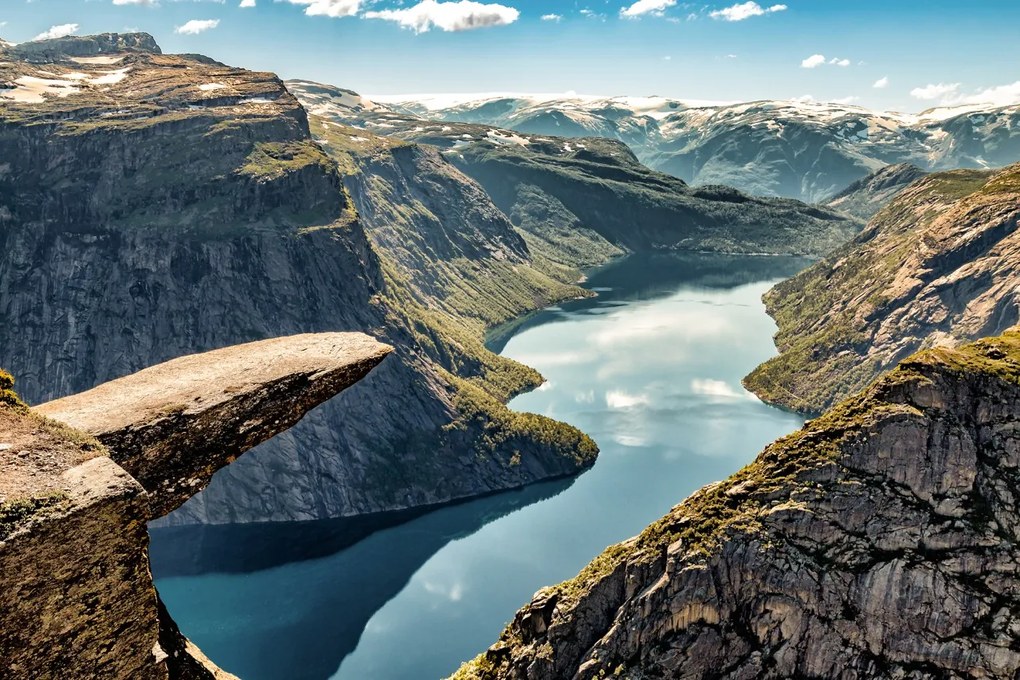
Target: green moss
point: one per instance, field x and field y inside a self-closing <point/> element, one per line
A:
<point x="1003" y="182"/>
<point x="272" y="160"/>
<point x="504" y="430"/>
<point x="18" y="510"/>
<point x="998" y="357"/>
<point x="478" y="668"/>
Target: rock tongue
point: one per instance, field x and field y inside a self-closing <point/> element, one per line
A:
<point x="215" y="406"/>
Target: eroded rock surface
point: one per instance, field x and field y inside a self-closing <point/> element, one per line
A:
<point x="879" y="541"/>
<point x="172" y="425"/>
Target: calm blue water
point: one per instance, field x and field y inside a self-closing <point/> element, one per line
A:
<point x="651" y="369"/>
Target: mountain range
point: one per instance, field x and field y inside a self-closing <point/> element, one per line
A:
<point x="804" y="150"/>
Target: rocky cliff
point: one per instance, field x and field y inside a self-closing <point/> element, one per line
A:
<point x="76" y="595"/>
<point x="880" y="541"/>
<point x="936" y="267"/>
<point x="153" y="205"/>
<point x="865" y="197"/>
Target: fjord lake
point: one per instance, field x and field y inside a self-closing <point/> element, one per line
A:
<point x="650" y="368"/>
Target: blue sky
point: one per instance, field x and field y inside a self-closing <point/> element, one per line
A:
<point x="920" y="53"/>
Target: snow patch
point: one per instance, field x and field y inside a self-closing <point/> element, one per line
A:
<point x="98" y="60"/>
<point x="31" y="90"/>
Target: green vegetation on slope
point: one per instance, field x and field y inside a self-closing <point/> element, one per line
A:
<point x="830" y="317"/>
<point x="608" y="192"/>
<point x="453" y="268"/>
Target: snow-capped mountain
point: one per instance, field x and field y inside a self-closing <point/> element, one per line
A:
<point x="802" y="150"/>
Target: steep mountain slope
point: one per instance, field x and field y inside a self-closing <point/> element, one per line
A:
<point x="155" y="205"/>
<point x="880" y="541"/>
<point x="865" y="197"/>
<point x="800" y="150"/>
<point x="938" y="266"/>
<point x="591" y="195"/>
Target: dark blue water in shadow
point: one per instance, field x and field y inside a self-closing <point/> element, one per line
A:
<point x="651" y="369"/>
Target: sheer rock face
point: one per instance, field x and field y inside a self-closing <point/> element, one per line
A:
<point x="153" y="206"/>
<point x="938" y="266"/>
<point x="171" y="426"/>
<point x="879" y="541"/>
<point x="76" y="594"/>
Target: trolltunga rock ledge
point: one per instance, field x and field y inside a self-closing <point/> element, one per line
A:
<point x="173" y="425"/>
<point x="76" y="593"/>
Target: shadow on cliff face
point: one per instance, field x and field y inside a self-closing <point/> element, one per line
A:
<point x="652" y="276"/>
<point x="356" y="566"/>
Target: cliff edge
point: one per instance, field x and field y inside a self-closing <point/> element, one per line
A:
<point x="76" y="595"/>
<point x="878" y="541"/>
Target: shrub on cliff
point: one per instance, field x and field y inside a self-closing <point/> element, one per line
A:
<point x="7" y="394"/>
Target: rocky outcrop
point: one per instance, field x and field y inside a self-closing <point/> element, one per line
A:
<point x="153" y="206"/>
<point x="83" y="46"/>
<point x="937" y="267"/>
<point x="172" y="425"/>
<point x="880" y="541"/>
<point x="865" y="197"/>
<point x="76" y="595"/>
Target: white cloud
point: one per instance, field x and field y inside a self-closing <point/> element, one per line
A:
<point x="552" y="17"/>
<point x="329" y="8"/>
<point x="816" y="60"/>
<point x="247" y="3"/>
<point x="716" y="388"/>
<point x="1003" y="95"/>
<point x="813" y="61"/>
<point x="463" y="15"/>
<point x="846" y="100"/>
<point x="57" y="32"/>
<point x="646" y="6"/>
<point x="804" y="99"/>
<point x="745" y="10"/>
<point x="935" y="91"/>
<point x="196" y="26"/>
<point x="618" y="399"/>
<point x="149" y="3"/>
<point x="881" y="83"/>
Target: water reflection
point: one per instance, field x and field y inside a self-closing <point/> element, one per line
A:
<point x="651" y="369"/>
<point x="262" y="620"/>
